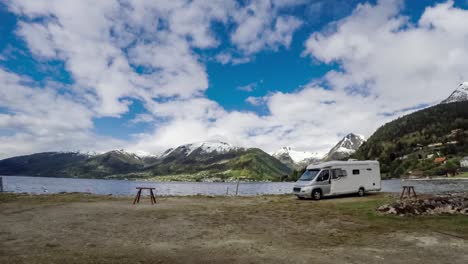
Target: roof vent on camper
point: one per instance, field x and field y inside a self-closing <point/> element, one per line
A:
<point x="352" y="159"/>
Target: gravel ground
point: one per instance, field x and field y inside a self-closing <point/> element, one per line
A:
<point x="80" y="228"/>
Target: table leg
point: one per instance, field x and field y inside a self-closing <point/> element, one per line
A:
<point x="137" y="197"/>
<point x="402" y="193"/>
<point x="153" y="199"/>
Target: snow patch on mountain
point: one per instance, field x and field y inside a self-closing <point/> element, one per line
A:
<point x="345" y="147"/>
<point x="296" y="156"/>
<point x="459" y="95"/>
<point x="204" y="147"/>
<point x="210" y="146"/>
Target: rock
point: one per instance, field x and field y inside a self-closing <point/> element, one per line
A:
<point x="447" y="204"/>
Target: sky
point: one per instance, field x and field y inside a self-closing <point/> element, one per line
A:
<point x="145" y="76"/>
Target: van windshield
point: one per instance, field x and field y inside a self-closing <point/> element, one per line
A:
<point x="309" y="175"/>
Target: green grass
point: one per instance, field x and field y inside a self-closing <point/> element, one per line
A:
<point x="55" y="198"/>
<point x="463" y="175"/>
<point x="366" y="212"/>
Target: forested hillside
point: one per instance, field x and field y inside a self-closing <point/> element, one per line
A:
<point x="411" y="144"/>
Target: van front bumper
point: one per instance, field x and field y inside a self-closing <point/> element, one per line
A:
<point x="302" y="191"/>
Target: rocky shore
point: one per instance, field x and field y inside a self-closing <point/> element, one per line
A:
<point x="431" y="205"/>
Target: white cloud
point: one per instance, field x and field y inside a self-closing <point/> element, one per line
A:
<point x="120" y="51"/>
<point x="225" y="58"/>
<point x="254" y="100"/>
<point x="249" y="87"/>
<point x="43" y="119"/>
<point x="382" y="54"/>
<point x="310" y="119"/>
<point x="260" y="26"/>
<point x="386" y="64"/>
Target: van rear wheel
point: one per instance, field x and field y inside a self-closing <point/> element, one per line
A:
<point x="316" y="194"/>
<point x="361" y="192"/>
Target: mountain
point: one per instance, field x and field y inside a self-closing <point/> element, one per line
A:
<point x="459" y="95"/>
<point x="345" y="147"/>
<point x="410" y="144"/>
<point x="197" y="161"/>
<point x="218" y="160"/>
<point x="207" y="147"/>
<point x="295" y="159"/>
<point x="72" y="164"/>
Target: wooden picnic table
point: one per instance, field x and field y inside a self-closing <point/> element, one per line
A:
<point x="138" y="195"/>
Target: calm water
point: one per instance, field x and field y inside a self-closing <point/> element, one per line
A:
<point x="36" y="185"/>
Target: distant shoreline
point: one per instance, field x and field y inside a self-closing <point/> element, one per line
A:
<point x="436" y="179"/>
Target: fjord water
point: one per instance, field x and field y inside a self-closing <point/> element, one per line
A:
<point x="40" y="185"/>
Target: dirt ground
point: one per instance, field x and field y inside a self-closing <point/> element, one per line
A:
<point x="79" y="228"/>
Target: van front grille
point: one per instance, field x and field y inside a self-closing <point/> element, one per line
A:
<point x="296" y="189"/>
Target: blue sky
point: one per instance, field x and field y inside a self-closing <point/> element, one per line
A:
<point x="145" y="77"/>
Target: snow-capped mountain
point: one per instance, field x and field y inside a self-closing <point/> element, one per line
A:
<point x="205" y="147"/>
<point x="215" y="159"/>
<point x="345" y="147"/>
<point x="460" y="94"/>
<point x="294" y="158"/>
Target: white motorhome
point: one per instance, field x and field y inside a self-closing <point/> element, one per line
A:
<point x="338" y="177"/>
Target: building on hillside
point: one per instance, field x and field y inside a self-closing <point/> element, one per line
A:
<point x="435" y="145"/>
<point x="455" y="132"/>
<point x="418" y="147"/>
<point x="440" y="160"/>
<point x="464" y="163"/>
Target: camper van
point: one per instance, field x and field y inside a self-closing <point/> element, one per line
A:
<point x="338" y="177"/>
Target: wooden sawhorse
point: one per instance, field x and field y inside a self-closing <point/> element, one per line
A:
<point x="138" y="195"/>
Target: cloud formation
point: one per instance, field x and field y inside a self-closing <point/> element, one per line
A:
<point x="121" y="51"/>
<point x="383" y="55"/>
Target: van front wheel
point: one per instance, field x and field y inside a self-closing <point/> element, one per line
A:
<point x="361" y="192"/>
<point x="316" y="194"/>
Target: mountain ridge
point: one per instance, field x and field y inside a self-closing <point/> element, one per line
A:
<point x="409" y="144"/>
<point x="295" y="159"/>
<point x="196" y="161"/>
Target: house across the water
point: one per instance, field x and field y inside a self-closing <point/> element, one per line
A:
<point x="464" y="163"/>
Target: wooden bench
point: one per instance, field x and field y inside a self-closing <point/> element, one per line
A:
<point x="409" y="190"/>
<point x="138" y="195"/>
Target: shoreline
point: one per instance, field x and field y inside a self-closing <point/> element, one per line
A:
<point x="436" y="179"/>
<point x="146" y="180"/>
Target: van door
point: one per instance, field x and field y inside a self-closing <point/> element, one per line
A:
<point x="324" y="181"/>
<point x="339" y="181"/>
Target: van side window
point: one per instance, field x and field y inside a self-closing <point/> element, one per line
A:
<point x="335" y="174"/>
<point x="343" y="173"/>
<point x="324" y="176"/>
<point x="338" y="173"/>
<point x="355" y="172"/>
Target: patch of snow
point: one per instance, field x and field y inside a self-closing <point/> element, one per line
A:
<point x="210" y="146"/>
<point x="347" y="145"/>
<point x="144" y="154"/>
<point x="459" y="95"/>
<point x="345" y="150"/>
<point x="296" y="156"/>
<point x="165" y="153"/>
<point x="126" y="153"/>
